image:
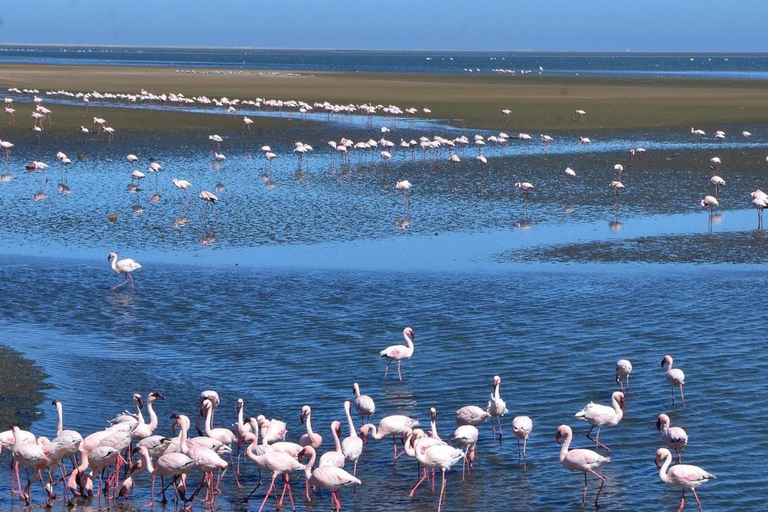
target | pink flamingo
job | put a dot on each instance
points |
(497, 407)
(327, 477)
(674, 437)
(224, 435)
(393, 425)
(580, 459)
(176, 465)
(364, 404)
(276, 463)
(126, 266)
(399, 352)
(336, 457)
(310, 438)
(623, 369)
(352, 446)
(600, 415)
(684, 476)
(522, 426)
(466, 436)
(675, 377)
(435, 456)
(471, 415)
(206, 460)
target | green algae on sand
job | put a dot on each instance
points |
(21, 385)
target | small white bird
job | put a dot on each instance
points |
(126, 266)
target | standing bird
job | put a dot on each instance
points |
(684, 476)
(579, 115)
(277, 463)
(497, 407)
(710, 202)
(7, 147)
(580, 459)
(248, 122)
(675, 377)
(760, 203)
(399, 352)
(674, 437)
(405, 186)
(126, 266)
(352, 446)
(217, 140)
(698, 133)
(466, 436)
(393, 425)
(364, 404)
(522, 426)
(336, 457)
(182, 185)
(623, 369)
(310, 438)
(471, 415)
(327, 477)
(717, 182)
(434, 456)
(599, 415)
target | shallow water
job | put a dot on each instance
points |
(284, 295)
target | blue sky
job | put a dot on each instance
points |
(585, 25)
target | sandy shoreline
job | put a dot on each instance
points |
(538, 103)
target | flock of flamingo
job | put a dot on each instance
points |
(117, 455)
(344, 147)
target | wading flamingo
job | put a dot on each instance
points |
(399, 352)
(684, 476)
(327, 477)
(364, 404)
(126, 266)
(623, 369)
(600, 415)
(497, 407)
(580, 459)
(674, 437)
(522, 426)
(675, 377)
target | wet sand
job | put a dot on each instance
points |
(538, 103)
(21, 382)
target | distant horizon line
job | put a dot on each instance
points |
(341, 49)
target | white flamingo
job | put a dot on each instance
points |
(675, 377)
(399, 352)
(623, 369)
(601, 415)
(684, 476)
(125, 266)
(580, 459)
(674, 437)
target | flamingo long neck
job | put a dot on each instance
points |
(566, 445)
(311, 464)
(496, 391)
(410, 450)
(209, 420)
(147, 461)
(350, 423)
(309, 424)
(114, 265)
(335, 435)
(617, 408)
(60, 426)
(183, 437)
(663, 469)
(408, 342)
(152, 416)
(250, 451)
(240, 423)
(372, 430)
(356, 390)
(433, 425)
(139, 415)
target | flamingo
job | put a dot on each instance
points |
(132, 158)
(433, 456)
(405, 186)
(364, 404)
(579, 115)
(176, 465)
(209, 198)
(327, 477)
(522, 426)
(675, 377)
(182, 185)
(497, 407)
(720, 136)
(466, 436)
(684, 476)
(217, 140)
(29, 455)
(623, 369)
(393, 425)
(699, 133)
(600, 415)
(11, 114)
(746, 134)
(399, 352)
(717, 182)
(110, 133)
(248, 122)
(710, 202)
(714, 163)
(580, 459)
(617, 187)
(224, 435)
(570, 172)
(126, 266)
(351, 446)
(759, 202)
(310, 438)
(506, 112)
(525, 187)
(674, 437)
(99, 460)
(219, 157)
(584, 140)
(336, 457)
(277, 464)
(471, 415)
(85, 131)
(205, 459)
(7, 147)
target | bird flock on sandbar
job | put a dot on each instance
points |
(107, 464)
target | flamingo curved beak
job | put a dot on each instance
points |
(559, 437)
(658, 425)
(658, 462)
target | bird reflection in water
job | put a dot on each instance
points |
(155, 198)
(40, 196)
(4, 178)
(525, 223)
(403, 223)
(207, 240)
(220, 187)
(137, 209)
(181, 222)
(615, 226)
(63, 189)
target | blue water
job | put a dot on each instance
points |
(748, 66)
(284, 292)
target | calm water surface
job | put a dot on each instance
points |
(284, 293)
